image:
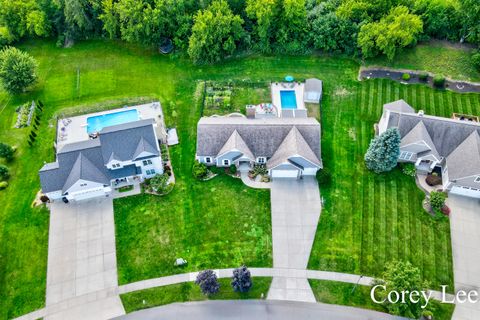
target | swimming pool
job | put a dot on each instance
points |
(97, 123)
(288, 99)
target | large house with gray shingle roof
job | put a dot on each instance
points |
(289, 147)
(451, 145)
(121, 155)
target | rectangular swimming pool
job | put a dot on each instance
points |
(97, 123)
(288, 99)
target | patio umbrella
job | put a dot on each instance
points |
(289, 78)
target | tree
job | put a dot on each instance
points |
(400, 276)
(397, 30)
(441, 19)
(470, 12)
(199, 170)
(4, 173)
(207, 280)
(215, 33)
(263, 12)
(241, 279)
(17, 70)
(159, 183)
(291, 34)
(437, 200)
(6, 151)
(109, 17)
(383, 152)
(476, 60)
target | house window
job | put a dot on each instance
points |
(150, 172)
(83, 185)
(116, 165)
(208, 159)
(226, 162)
(261, 160)
(405, 155)
(477, 179)
(147, 162)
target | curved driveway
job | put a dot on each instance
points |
(255, 309)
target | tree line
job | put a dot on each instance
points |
(212, 29)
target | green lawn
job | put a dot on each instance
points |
(197, 219)
(439, 57)
(189, 291)
(348, 294)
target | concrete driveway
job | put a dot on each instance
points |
(465, 234)
(296, 209)
(82, 259)
(255, 309)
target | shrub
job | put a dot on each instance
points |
(437, 200)
(159, 183)
(324, 177)
(439, 81)
(233, 169)
(445, 210)
(4, 173)
(405, 77)
(423, 76)
(6, 151)
(433, 180)
(44, 198)
(409, 169)
(476, 60)
(383, 152)
(3, 185)
(259, 169)
(199, 170)
(207, 280)
(241, 279)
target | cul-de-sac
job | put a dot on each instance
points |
(239, 159)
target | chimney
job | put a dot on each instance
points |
(251, 110)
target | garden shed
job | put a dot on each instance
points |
(313, 90)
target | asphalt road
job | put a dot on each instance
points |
(254, 309)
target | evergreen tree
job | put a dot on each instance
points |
(383, 152)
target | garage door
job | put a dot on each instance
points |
(468, 192)
(285, 174)
(93, 193)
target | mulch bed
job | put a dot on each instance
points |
(396, 75)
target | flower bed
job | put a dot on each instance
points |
(25, 115)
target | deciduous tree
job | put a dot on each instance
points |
(17, 70)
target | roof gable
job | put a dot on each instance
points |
(464, 161)
(235, 142)
(84, 169)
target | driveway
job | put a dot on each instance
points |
(465, 234)
(295, 212)
(255, 309)
(82, 259)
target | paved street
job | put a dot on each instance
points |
(465, 233)
(295, 212)
(255, 309)
(82, 258)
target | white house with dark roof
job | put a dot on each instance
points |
(121, 155)
(430, 142)
(289, 147)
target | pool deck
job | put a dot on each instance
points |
(75, 128)
(276, 87)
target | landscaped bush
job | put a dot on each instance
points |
(437, 200)
(423, 76)
(207, 280)
(324, 177)
(4, 173)
(160, 184)
(199, 170)
(241, 279)
(445, 210)
(44, 198)
(6, 151)
(233, 169)
(439, 81)
(3, 185)
(405, 77)
(258, 169)
(433, 180)
(409, 169)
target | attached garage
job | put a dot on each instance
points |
(89, 194)
(467, 192)
(276, 173)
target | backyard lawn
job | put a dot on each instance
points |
(368, 219)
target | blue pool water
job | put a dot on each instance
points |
(97, 123)
(288, 99)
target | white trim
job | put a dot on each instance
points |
(477, 179)
(299, 156)
(261, 160)
(227, 163)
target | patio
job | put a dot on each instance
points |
(277, 87)
(74, 129)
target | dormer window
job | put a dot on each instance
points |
(261, 160)
(405, 155)
(477, 179)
